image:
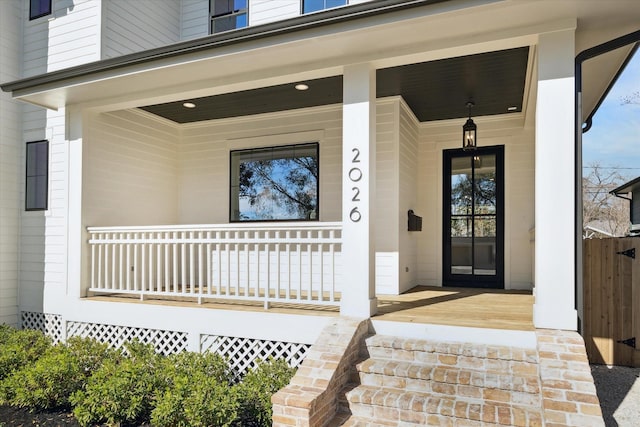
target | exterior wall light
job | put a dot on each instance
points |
(469, 131)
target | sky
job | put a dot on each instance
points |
(614, 139)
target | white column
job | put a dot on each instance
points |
(358, 190)
(76, 235)
(555, 256)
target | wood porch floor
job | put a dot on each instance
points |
(481, 308)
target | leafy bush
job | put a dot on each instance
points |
(62, 370)
(121, 390)
(20, 348)
(209, 364)
(197, 392)
(196, 400)
(256, 389)
(105, 385)
(90, 353)
(5, 332)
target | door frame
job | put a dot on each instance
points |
(463, 280)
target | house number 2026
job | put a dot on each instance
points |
(355, 175)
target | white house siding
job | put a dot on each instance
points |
(133, 26)
(387, 196)
(10, 133)
(519, 210)
(32, 224)
(130, 170)
(264, 11)
(69, 36)
(519, 199)
(204, 158)
(194, 19)
(408, 176)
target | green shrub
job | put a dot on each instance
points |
(209, 364)
(20, 348)
(90, 353)
(5, 332)
(197, 392)
(196, 400)
(121, 390)
(256, 389)
(62, 370)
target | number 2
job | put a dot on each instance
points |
(356, 155)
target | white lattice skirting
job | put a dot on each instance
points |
(49, 324)
(244, 353)
(165, 342)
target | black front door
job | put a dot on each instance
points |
(473, 227)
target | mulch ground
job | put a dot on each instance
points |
(17, 417)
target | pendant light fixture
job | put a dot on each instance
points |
(469, 132)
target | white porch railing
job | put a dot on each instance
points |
(281, 262)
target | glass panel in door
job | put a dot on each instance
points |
(473, 218)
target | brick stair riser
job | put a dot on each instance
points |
(416, 373)
(419, 407)
(438, 381)
(497, 366)
(445, 389)
(389, 345)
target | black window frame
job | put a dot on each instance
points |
(28, 189)
(226, 14)
(304, 12)
(40, 12)
(315, 144)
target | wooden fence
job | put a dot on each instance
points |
(611, 321)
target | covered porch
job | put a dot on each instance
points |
(381, 135)
(142, 199)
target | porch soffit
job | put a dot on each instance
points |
(434, 90)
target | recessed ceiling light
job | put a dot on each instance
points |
(512, 108)
(189, 105)
(301, 86)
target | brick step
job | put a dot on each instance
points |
(389, 347)
(417, 376)
(392, 405)
(349, 420)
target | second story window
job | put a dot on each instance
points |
(39, 8)
(309, 6)
(228, 15)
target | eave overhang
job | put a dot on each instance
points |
(383, 32)
(101, 69)
(627, 187)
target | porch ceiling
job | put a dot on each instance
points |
(435, 90)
